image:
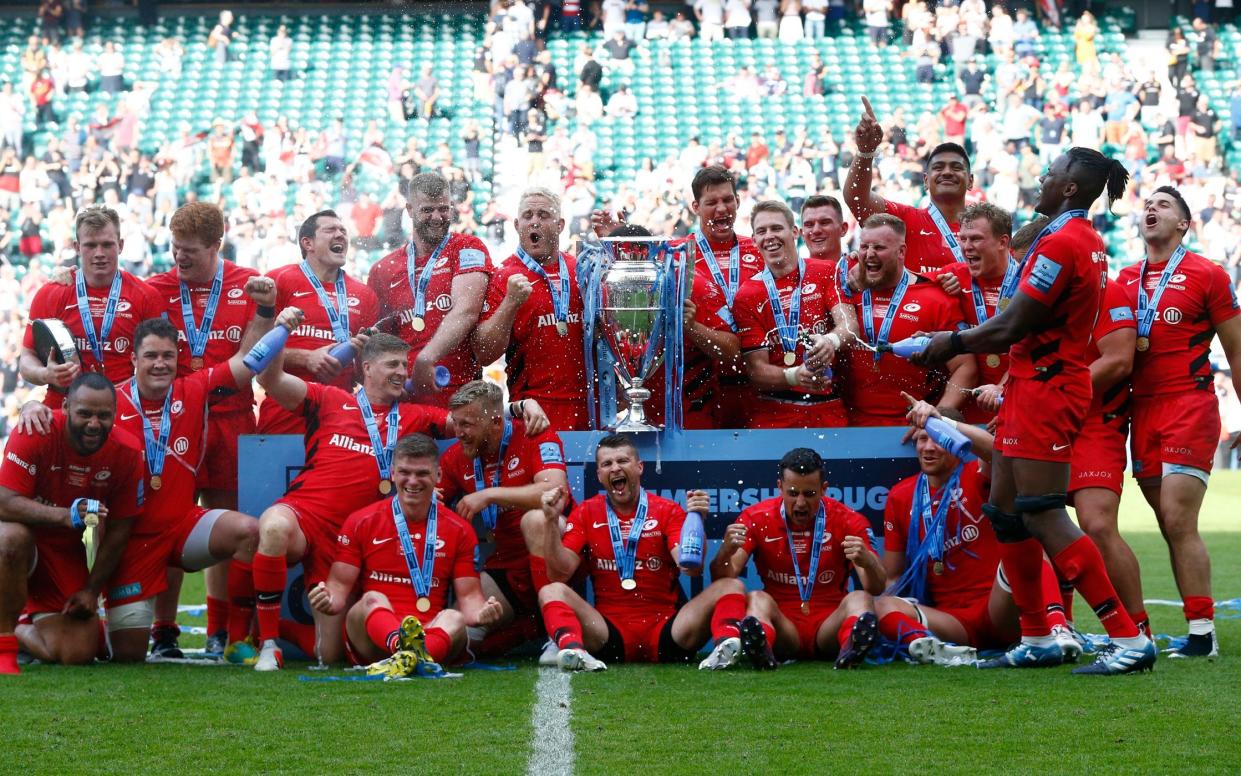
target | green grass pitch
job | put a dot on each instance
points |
(632, 719)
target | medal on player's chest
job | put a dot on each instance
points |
(938, 568)
(805, 607)
(629, 584)
(790, 359)
(419, 323)
(423, 604)
(157, 482)
(562, 328)
(196, 363)
(1003, 304)
(993, 360)
(1144, 344)
(385, 486)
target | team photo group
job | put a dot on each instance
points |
(1028, 381)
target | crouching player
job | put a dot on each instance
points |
(631, 541)
(804, 545)
(403, 552)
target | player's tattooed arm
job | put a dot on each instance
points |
(869, 568)
(16, 508)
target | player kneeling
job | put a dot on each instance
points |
(630, 539)
(804, 545)
(405, 550)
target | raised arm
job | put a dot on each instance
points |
(867, 136)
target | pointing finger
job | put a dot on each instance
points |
(870, 112)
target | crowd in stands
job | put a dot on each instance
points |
(1012, 113)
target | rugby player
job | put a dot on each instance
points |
(895, 304)
(403, 605)
(337, 309)
(931, 230)
(629, 540)
(533, 316)
(48, 488)
(1181, 300)
(432, 290)
(792, 324)
(99, 303)
(1046, 400)
(805, 545)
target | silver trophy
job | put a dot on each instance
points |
(635, 293)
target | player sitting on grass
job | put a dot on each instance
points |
(403, 552)
(805, 545)
(949, 595)
(630, 540)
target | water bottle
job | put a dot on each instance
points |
(950, 439)
(693, 538)
(909, 347)
(442, 378)
(261, 355)
(343, 352)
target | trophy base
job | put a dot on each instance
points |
(626, 422)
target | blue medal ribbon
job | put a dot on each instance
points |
(868, 314)
(787, 328)
(805, 585)
(382, 452)
(418, 281)
(626, 553)
(420, 576)
(197, 335)
(1012, 276)
(941, 224)
(560, 295)
(156, 449)
(338, 315)
(730, 286)
(925, 540)
(1149, 308)
(491, 513)
(842, 277)
(109, 313)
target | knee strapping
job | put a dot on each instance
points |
(1008, 526)
(1032, 505)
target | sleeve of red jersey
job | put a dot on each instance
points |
(751, 328)
(153, 303)
(574, 538)
(1048, 272)
(451, 484)
(368, 308)
(1116, 313)
(126, 497)
(1221, 297)
(674, 522)
(950, 316)
(472, 257)
(432, 421)
(39, 308)
(895, 520)
(218, 382)
(19, 469)
(348, 547)
(900, 210)
(497, 287)
(314, 399)
(463, 560)
(551, 451)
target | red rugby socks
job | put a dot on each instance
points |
(562, 625)
(8, 654)
(383, 628)
(240, 600)
(1081, 564)
(901, 628)
(269, 577)
(438, 644)
(729, 611)
(1023, 566)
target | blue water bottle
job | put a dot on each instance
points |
(910, 346)
(343, 352)
(442, 378)
(261, 355)
(693, 538)
(950, 439)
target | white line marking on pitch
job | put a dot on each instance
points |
(552, 752)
